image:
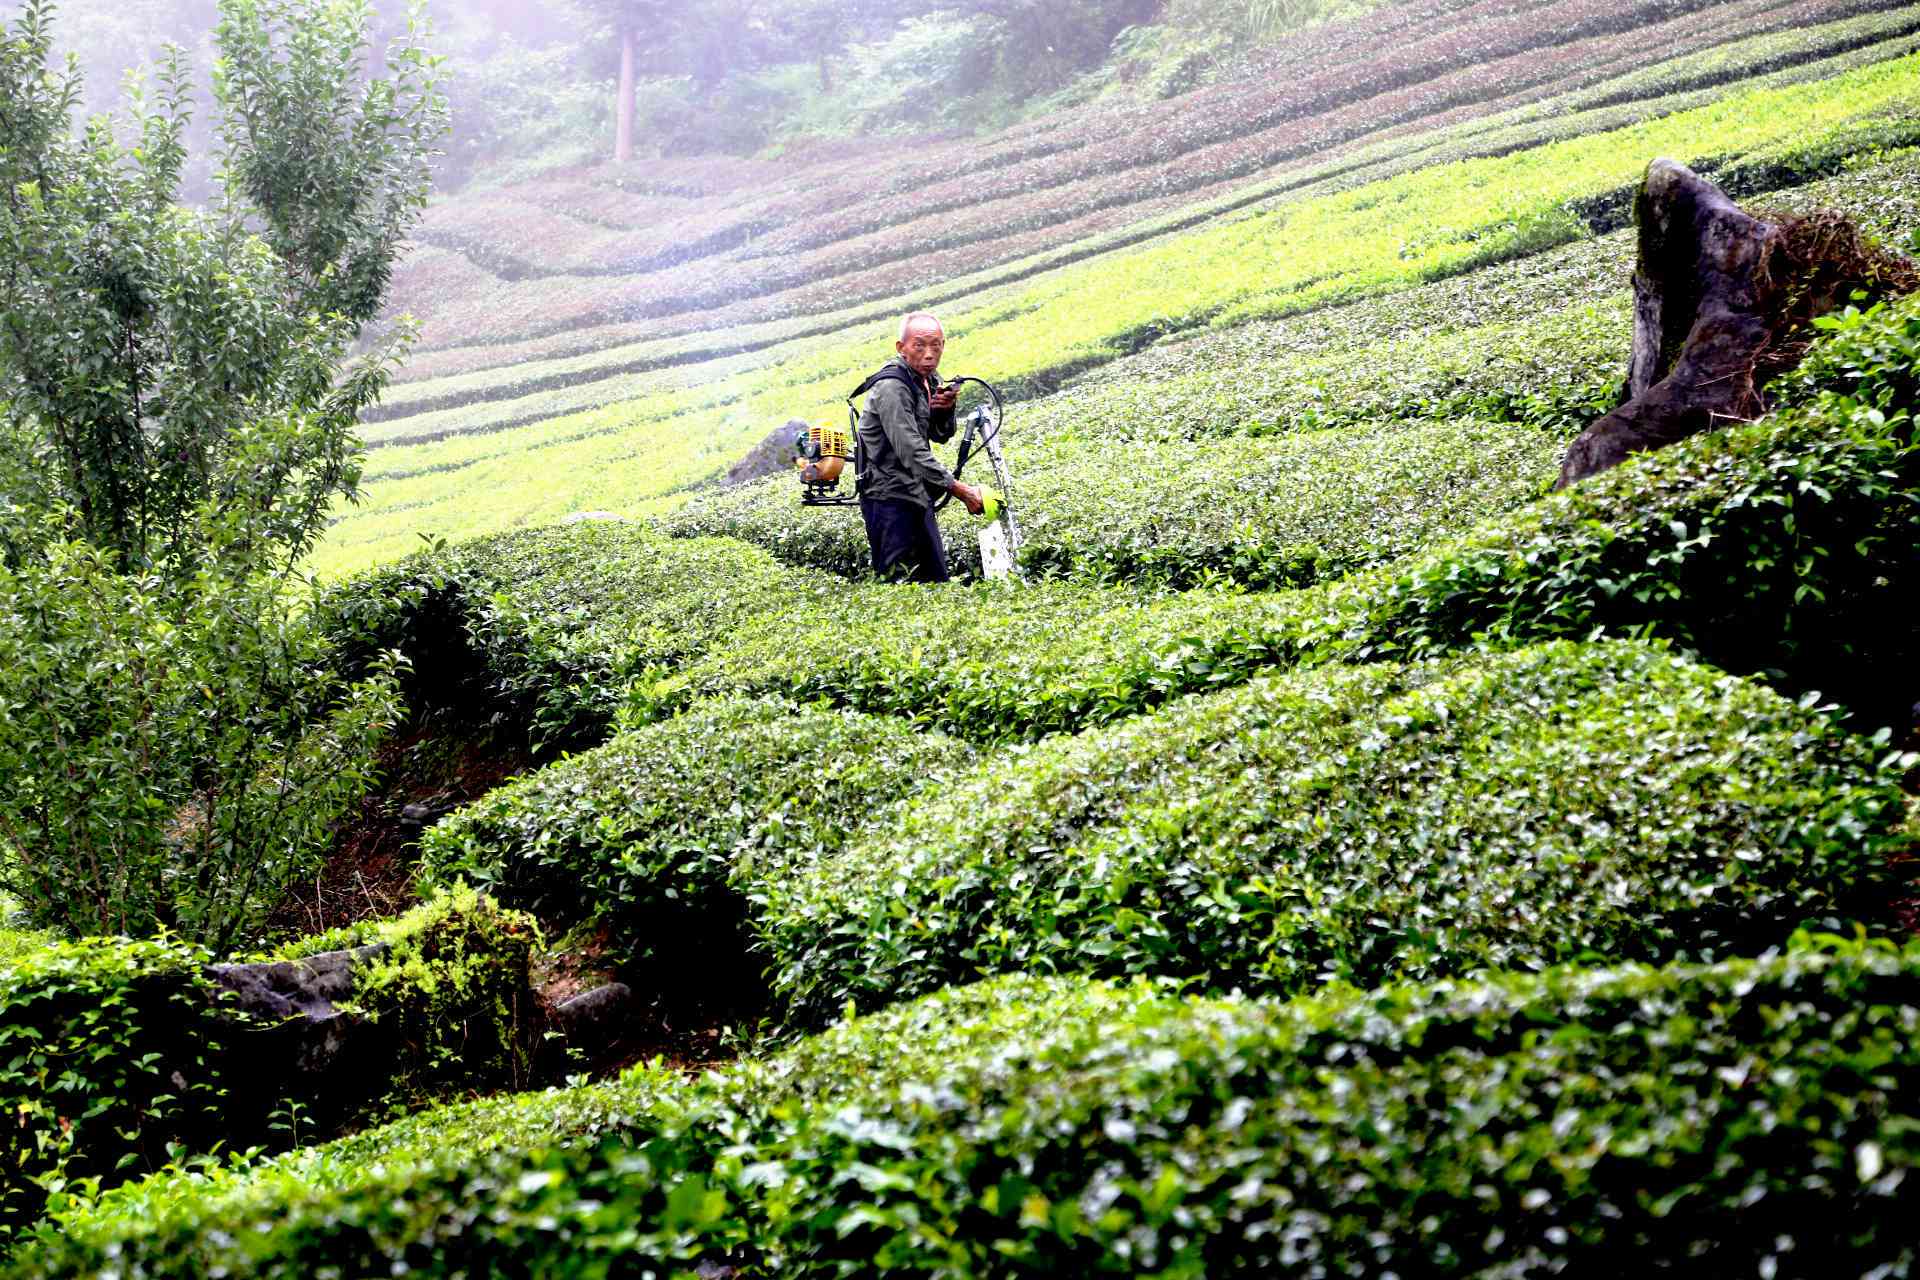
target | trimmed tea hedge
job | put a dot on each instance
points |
(659, 832)
(1263, 513)
(1752, 1117)
(118, 1056)
(1764, 548)
(547, 626)
(1360, 823)
(1761, 547)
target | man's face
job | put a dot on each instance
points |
(922, 347)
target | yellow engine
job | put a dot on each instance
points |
(823, 452)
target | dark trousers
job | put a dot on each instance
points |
(905, 540)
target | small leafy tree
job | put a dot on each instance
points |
(167, 364)
(179, 398)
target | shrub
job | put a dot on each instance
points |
(1263, 513)
(117, 1056)
(109, 1057)
(1752, 1113)
(176, 754)
(1760, 547)
(549, 626)
(1360, 823)
(662, 831)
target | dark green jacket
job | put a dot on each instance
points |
(897, 430)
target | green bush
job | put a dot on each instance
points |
(1761, 547)
(1750, 1117)
(663, 832)
(176, 753)
(1263, 513)
(547, 627)
(1361, 823)
(117, 1057)
(109, 1059)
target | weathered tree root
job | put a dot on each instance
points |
(1723, 303)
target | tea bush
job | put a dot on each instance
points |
(1263, 513)
(1579, 1122)
(118, 1056)
(1761, 547)
(660, 832)
(548, 626)
(1360, 823)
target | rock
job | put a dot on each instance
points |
(302, 997)
(773, 456)
(416, 818)
(1723, 302)
(591, 1020)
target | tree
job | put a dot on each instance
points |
(169, 370)
(179, 401)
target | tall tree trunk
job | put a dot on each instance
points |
(623, 109)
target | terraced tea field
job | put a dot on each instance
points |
(1338, 855)
(546, 387)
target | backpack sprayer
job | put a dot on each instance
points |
(824, 450)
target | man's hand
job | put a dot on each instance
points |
(969, 497)
(942, 401)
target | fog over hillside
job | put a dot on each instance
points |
(538, 84)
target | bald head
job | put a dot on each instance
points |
(922, 342)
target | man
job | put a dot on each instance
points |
(900, 479)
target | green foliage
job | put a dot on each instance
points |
(1361, 823)
(1576, 1121)
(449, 996)
(1871, 358)
(180, 399)
(553, 626)
(333, 163)
(109, 1063)
(667, 833)
(176, 752)
(1760, 547)
(178, 387)
(1152, 513)
(119, 1057)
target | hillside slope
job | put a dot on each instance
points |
(541, 388)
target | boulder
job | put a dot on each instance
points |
(301, 999)
(590, 1021)
(773, 456)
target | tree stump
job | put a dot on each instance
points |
(1723, 303)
